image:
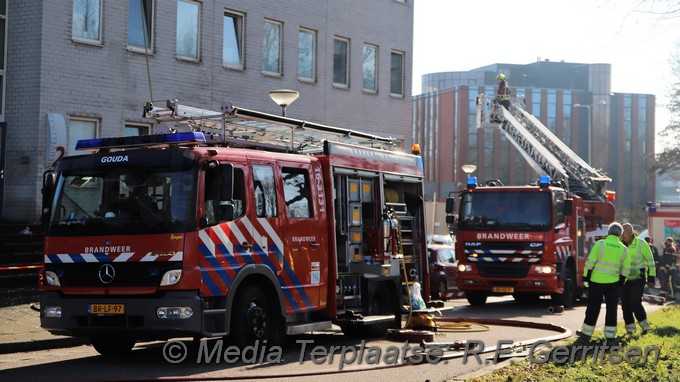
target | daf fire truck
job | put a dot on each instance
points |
(531, 240)
(236, 224)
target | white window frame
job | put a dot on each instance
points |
(376, 73)
(347, 42)
(179, 56)
(149, 37)
(401, 74)
(278, 73)
(143, 128)
(311, 78)
(81, 39)
(240, 21)
(71, 143)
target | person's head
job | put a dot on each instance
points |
(615, 229)
(501, 77)
(669, 241)
(628, 233)
(649, 240)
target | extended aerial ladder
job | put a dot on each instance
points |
(544, 151)
(238, 127)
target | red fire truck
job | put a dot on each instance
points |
(531, 240)
(235, 224)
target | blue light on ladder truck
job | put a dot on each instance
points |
(141, 140)
(472, 182)
(544, 181)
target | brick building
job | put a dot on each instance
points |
(78, 69)
(612, 131)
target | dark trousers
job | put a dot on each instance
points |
(631, 301)
(666, 274)
(610, 293)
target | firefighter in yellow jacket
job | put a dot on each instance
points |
(642, 272)
(607, 267)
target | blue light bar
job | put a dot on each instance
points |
(472, 182)
(544, 181)
(140, 140)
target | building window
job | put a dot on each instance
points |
(271, 48)
(133, 129)
(87, 21)
(3, 56)
(370, 68)
(80, 128)
(341, 61)
(306, 55)
(232, 41)
(140, 24)
(188, 29)
(397, 73)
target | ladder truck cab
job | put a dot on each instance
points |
(531, 240)
(234, 223)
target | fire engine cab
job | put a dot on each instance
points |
(529, 240)
(235, 224)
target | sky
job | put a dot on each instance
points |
(631, 35)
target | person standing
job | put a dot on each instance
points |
(655, 254)
(642, 272)
(668, 271)
(606, 268)
(503, 92)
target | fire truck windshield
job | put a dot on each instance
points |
(111, 200)
(506, 210)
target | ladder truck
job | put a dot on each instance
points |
(531, 240)
(231, 223)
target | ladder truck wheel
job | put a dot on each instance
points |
(567, 297)
(113, 346)
(476, 298)
(255, 318)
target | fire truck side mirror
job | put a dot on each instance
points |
(450, 219)
(49, 183)
(568, 207)
(227, 182)
(450, 205)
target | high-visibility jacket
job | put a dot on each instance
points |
(608, 259)
(503, 92)
(640, 258)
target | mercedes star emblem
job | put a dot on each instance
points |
(107, 273)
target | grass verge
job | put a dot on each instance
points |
(654, 356)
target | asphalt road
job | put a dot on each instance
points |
(155, 361)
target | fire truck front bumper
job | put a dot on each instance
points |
(176, 314)
(530, 284)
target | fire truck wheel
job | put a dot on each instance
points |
(476, 298)
(113, 347)
(568, 297)
(441, 293)
(254, 318)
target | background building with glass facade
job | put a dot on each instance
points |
(612, 131)
(83, 69)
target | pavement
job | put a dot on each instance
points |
(20, 331)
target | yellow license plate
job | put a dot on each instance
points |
(106, 309)
(503, 289)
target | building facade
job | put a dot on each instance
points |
(612, 131)
(83, 68)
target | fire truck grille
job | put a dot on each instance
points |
(503, 270)
(138, 274)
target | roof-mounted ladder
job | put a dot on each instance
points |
(238, 127)
(546, 153)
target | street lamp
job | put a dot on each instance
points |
(283, 98)
(590, 132)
